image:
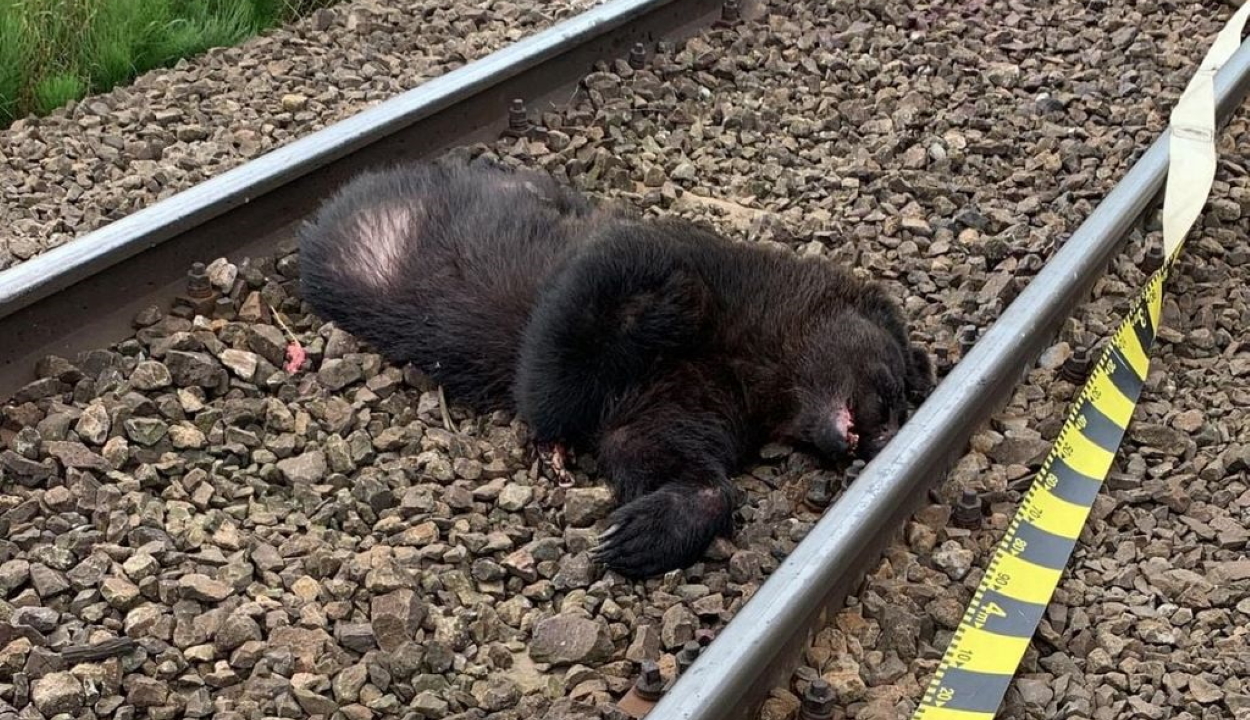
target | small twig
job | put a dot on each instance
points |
(281, 323)
(295, 355)
(100, 651)
(572, 96)
(1022, 483)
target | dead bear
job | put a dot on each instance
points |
(667, 350)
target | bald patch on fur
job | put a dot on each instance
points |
(381, 243)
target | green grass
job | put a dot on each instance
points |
(54, 91)
(55, 51)
(12, 53)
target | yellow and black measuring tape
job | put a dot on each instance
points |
(1025, 569)
(1022, 575)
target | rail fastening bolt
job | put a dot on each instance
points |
(518, 121)
(1153, 259)
(818, 701)
(730, 11)
(687, 655)
(967, 512)
(198, 286)
(855, 469)
(650, 683)
(818, 495)
(638, 56)
(1076, 367)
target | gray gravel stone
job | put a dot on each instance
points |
(242, 363)
(514, 497)
(94, 424)
(119, 592)
(56, 693)
(496, 694)
(645, 645)
(268, 342)
(583, 506)
(235, 631)
(568, 640)
(953, 559)
(192, 368)
(42, 619)
(222, 274)
(77, 455)
(145, 692)
(678, 627)
(203, 588)
(47, 582)
(356, 636)
(306, 469)
(150, 375)
(429, 704)
(396, 617)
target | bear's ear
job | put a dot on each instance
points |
(920, 380)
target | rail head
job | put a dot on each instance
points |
(761, 645)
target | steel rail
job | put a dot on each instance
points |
(760, 647)
(105, 276)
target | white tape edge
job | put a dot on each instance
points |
(1191, 145)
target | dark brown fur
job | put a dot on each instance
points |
(667, 350)
(440, 265)
(674, 354)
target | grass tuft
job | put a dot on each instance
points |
(13, 54)
(56, 90)
(119, 37)
(55, 51)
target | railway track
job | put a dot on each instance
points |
(252, 208)
(118, 272)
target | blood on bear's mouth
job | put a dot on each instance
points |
(844, 421)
